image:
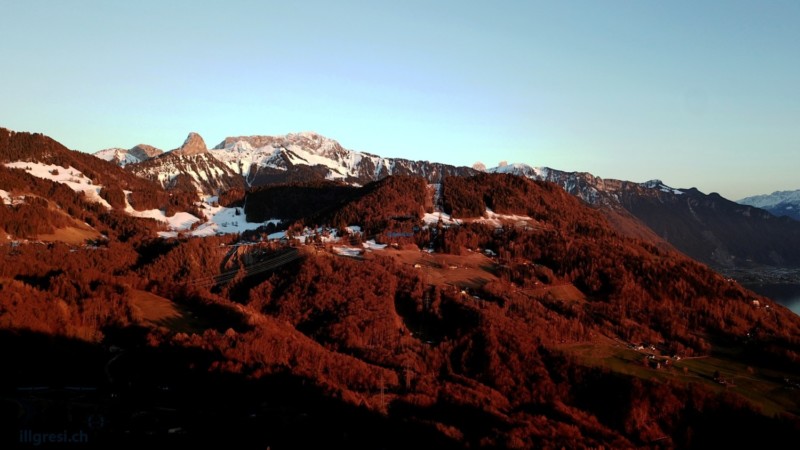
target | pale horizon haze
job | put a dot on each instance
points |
(699, 94)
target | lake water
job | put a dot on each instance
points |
(787, 295)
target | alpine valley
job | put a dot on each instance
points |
(286, 292)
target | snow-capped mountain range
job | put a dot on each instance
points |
(591, 189)
(297, 157)
(269, 159)
(263, 160)
(779, 203)
(123, 157)
(190, 167)
(259, 160)
(707, 227)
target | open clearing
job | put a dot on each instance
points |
(70, 235)
(158, 311)
(762, 387)
(471, 270)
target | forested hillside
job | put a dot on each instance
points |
(515, 318)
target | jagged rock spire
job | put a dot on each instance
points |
(193, 145)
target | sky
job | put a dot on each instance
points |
(699, 94)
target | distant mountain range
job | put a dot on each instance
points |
(709, 228)
(779, 203)
(268, 160)
(123, 157)
(264, 160)
(191, 167)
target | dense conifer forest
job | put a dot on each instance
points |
(542, 329)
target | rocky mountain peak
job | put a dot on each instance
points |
(193, 145)
(144, 151)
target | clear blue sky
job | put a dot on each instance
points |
(700, 94)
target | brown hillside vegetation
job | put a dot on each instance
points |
(545, 345)
(499, 347)
(35, 147)
(48, 210)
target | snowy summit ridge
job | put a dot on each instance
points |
(123, 157)
(779, 203)
(190, 166)
(307, 155)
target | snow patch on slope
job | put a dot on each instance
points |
(241, 156)
(180, 221)
(5, 197)
(300, 156)
(200, 167)
(69, 176)
(435, 217)
(119, 156)
(222, 220)
(659, 185)
(372, 245)
(218, 219)
(348, 251)
(497, 220)
(538, 173)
